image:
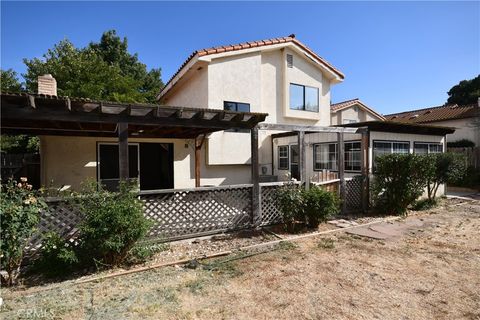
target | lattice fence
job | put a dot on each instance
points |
(181, 213)
(60, 217)
(353, 193)
(270, 212)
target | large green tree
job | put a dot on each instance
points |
(465, 92)
(103, 70)
(9, 81)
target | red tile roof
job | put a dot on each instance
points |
(435, 114)
(261, 43)
(348, 103)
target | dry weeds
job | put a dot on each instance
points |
(431, 273)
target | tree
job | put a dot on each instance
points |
(9, 81)
(442, 168)
(465, 92)
(101, 71)
(19, 143)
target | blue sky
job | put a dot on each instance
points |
(395, 56)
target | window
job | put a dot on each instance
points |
(289, 61)
(236, 106)
(389, 147)
(353, 156)
(426, 148)
(325, 156)
(283, 157)
(303, 98)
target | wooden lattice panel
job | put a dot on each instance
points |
(181, 213)
(270, 212)
(353, 193)
(59, 217)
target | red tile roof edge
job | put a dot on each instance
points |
(435, 114)
(253, 44)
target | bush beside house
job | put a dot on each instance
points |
(311, 206)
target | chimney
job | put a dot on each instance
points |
(47, 85)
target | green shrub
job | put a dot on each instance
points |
(313, 206)
(424, 204)
(113, 223)
(58, 257)
(399, 180)
(290, 201)
(471, 179)
(19, 216)
(319, 205)
(442, 168)
(141, 253)
(463, 143)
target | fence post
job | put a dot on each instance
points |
(341, 169)
(365, 142)
(123, 151)
(256, 200)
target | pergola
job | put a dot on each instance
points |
(38, 114)
(52, 115)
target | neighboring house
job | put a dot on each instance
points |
(280, 77)
(465, 119)
(352, 111)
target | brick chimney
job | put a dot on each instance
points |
(47, 85)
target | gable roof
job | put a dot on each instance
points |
(334, 107)
(434, 114)
(249, 45)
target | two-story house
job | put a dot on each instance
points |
(281, 77)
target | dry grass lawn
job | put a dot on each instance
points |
(432, 272)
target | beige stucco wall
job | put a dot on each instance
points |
(262, 80)
(191, 91)
(72, 160)
(464, 129)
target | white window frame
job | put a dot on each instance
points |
(351, 152)
(429, 145)
(287, 157)
(392, 142)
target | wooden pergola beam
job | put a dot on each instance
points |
(123, 151)
(297, 128)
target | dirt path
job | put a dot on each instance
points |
(431, 271)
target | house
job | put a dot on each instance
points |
(200, 135)
(287, 80)
(465, 119)
(352, 111)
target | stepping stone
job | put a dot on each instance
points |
(367, 232)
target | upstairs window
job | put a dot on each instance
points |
(427, 148)
(303, 98)
(239, 107)
(236, 106)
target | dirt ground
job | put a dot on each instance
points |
(431, 271)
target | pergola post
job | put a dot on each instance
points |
(198, 148)
(302, 160)
(256, 195)
(341, 168)
(123, 151)
(365, 142)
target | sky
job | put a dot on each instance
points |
(395, 55)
